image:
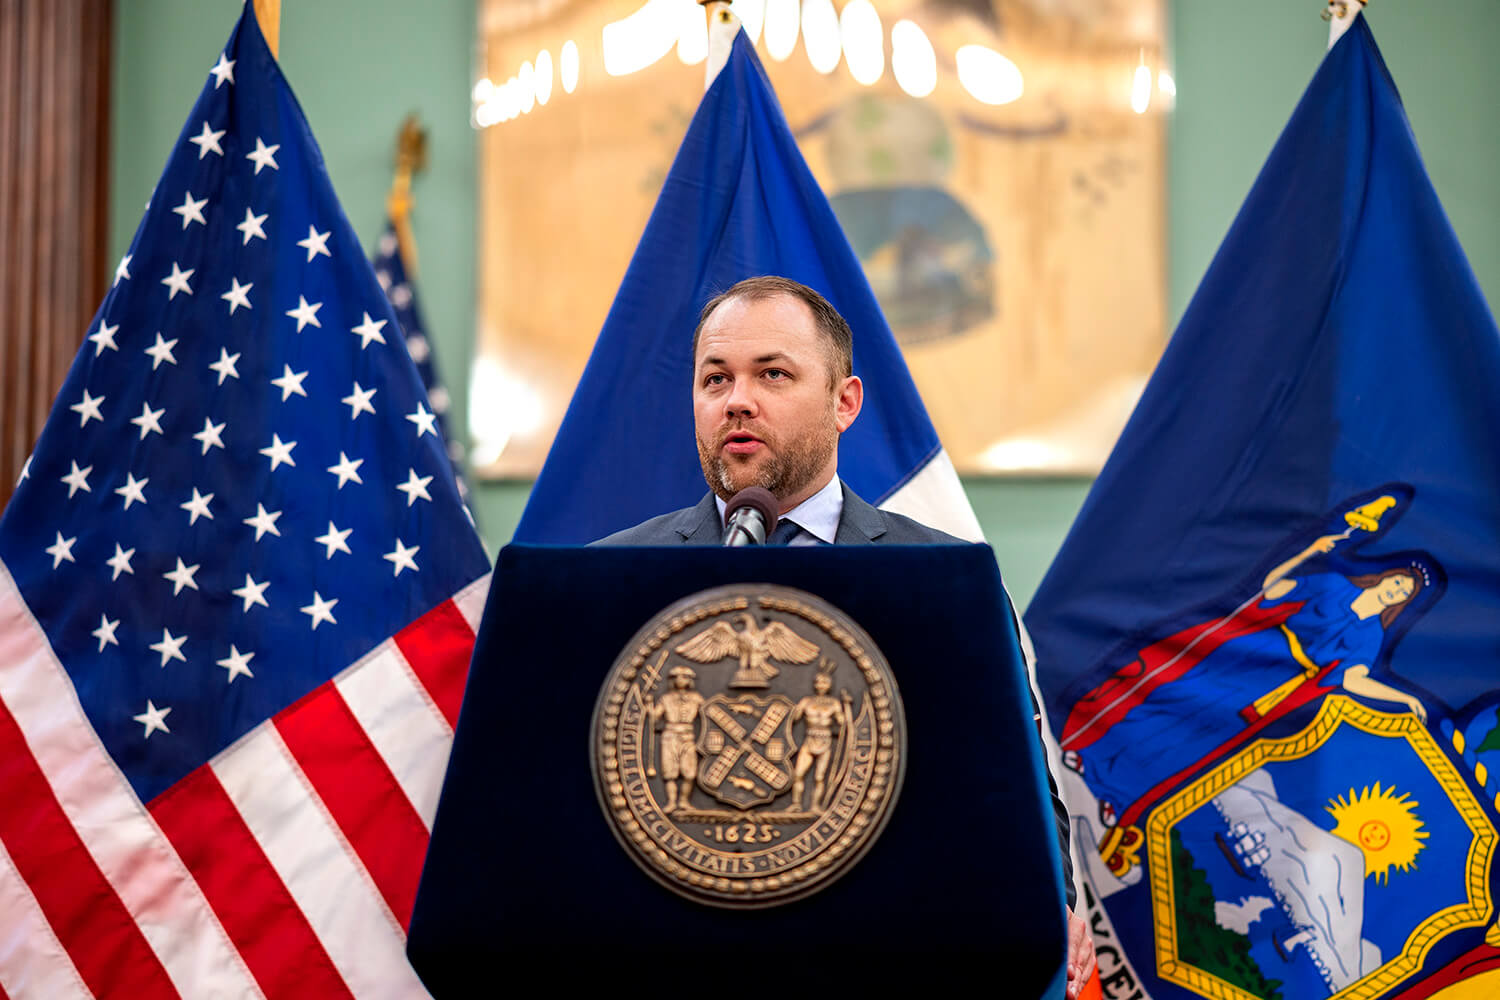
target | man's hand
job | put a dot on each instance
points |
(1080, 954)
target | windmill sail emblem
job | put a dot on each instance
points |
(753, 645)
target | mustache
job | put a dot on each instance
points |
(728, 430)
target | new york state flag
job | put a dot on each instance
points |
(1270, 645)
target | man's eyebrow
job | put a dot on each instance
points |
(713, 359)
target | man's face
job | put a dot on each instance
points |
(763, 407)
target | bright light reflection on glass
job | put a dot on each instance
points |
(820, 34)
(526, 84)
(510, 98)
(1166, 84)
(483, 89)
(1140, 90)
(913, 62)
(988, 76)
(543, 76)
(568, 66)
(692, 35)
(501, 406)
(752, 14)
(781, 28)
(487, 114)
(635, 42)
(864, 41)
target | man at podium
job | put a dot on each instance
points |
(773, 389)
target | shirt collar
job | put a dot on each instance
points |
(818, 515)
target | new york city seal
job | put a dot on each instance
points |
(749, 745)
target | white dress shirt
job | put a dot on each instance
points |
(817, 516)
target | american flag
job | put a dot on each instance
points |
(390, 271)
(238, 592)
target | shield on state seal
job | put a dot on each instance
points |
(746, 743)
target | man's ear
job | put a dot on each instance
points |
(847, 402)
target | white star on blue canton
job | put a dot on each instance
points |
(359, 401)
(105, 633)
(153, 718)
(88, 408)
(162, 351)
(236, 296)
(415, 487)
(290, 383)
(401, 558)
(120, 561)
(252, 593)
(334, 540)
(225, 365)
(170, 646)
(263, 155)
(305, 314)
(426, 422)
(221, 71)
(182, 576)
(104, 337)
(78, 479)
(251, 227)
(207, 141)
(237, 663)
(320, 610)
(131, 491)
(264, 521)
(61, 550)
(316, 243)
(191, 210)
(177, 281)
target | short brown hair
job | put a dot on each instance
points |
(829, 322)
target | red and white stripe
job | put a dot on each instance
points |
(286, 866)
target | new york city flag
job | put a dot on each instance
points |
(739, 201)
(1270, 646)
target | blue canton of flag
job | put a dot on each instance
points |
(390, 271)
(1269, 644)
(739, 201)
(237, 597)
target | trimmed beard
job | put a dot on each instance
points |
(790, 467)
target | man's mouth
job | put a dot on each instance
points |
(741, 443)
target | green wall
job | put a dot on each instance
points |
(359, 67)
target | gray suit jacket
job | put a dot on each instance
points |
(859, 524)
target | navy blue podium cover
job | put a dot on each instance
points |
(523, 871)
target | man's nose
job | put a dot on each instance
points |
(741, 401)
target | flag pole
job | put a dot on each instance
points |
(411, 158)
(268, 13)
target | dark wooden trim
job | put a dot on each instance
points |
(55, 60)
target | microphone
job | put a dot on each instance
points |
(749, 516)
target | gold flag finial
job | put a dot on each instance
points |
(1339, 9)
(411, 158)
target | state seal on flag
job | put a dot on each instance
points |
(748, 745)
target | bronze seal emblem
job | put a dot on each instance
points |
(749, 745)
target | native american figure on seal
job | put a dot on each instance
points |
(824, 714)
(679, 755)
(754, 646)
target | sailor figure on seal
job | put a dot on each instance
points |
(679, 756)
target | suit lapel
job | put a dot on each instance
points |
(700, 525)
(859, 523)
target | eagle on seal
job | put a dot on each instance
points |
(753, 645)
